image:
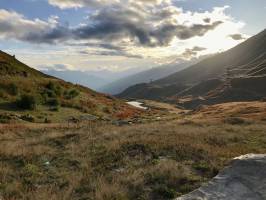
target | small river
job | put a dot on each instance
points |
(137, 104)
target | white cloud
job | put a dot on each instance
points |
(66, 4)
(15, 25)
(116, 30)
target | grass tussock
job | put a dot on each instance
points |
(102, 162)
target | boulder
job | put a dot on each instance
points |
(244, 179)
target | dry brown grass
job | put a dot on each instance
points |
(255, 110)
(160, 160)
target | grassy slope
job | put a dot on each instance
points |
(29, 81)
(151, 161)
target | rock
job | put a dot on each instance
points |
(120, 123)
(244, 179)
(28, 118)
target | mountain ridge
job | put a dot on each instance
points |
(242, 63)
(146, 76)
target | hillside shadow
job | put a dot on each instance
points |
(7, 106)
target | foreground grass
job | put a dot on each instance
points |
(102, 162)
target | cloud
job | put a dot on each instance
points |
(16, 26)
(191, 53)
(207, 20)
(237, 37)
(154, 27)
(128, 28)
(57, 67)
(150, 27)
(121, 52)
(66, 4)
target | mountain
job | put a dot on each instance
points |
(238, 74)
(79, 77)
(252, 50)
(27, 94)
(94, 79)
(142, 77)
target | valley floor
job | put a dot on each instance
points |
(158, 160)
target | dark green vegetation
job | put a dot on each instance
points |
(161, 160)
(238, 74)
(25, 91)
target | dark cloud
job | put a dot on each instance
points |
(98, 45)
(110, 53)
(116, 24)
(54, 35)
(237, 37)
(190, 53)
(207, 20)
(196, 48)
(113, 29)
(196, 30)
(152, 27)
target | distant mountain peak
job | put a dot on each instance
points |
(237, 74)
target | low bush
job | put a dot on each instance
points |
(165, 192)
(28, 102)
(55, 88)
(54, 102)
(236, 121)
(47, 121)
(2, 94)
(13, 89)
(71, 94)
(4, 119)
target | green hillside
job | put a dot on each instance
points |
(27, 94)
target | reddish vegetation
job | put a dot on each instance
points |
(128, 112)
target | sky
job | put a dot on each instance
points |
(119, 35)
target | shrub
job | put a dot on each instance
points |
(53, 89)
(203, 167)
(54, 102)
(47, 121)
(165, 192)
(13, 89)
(71, 94)
(50, 93)
(107, 110)
(55, 109)
(27, 102)
(4, 119)
(2, 94)
(236, 121)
